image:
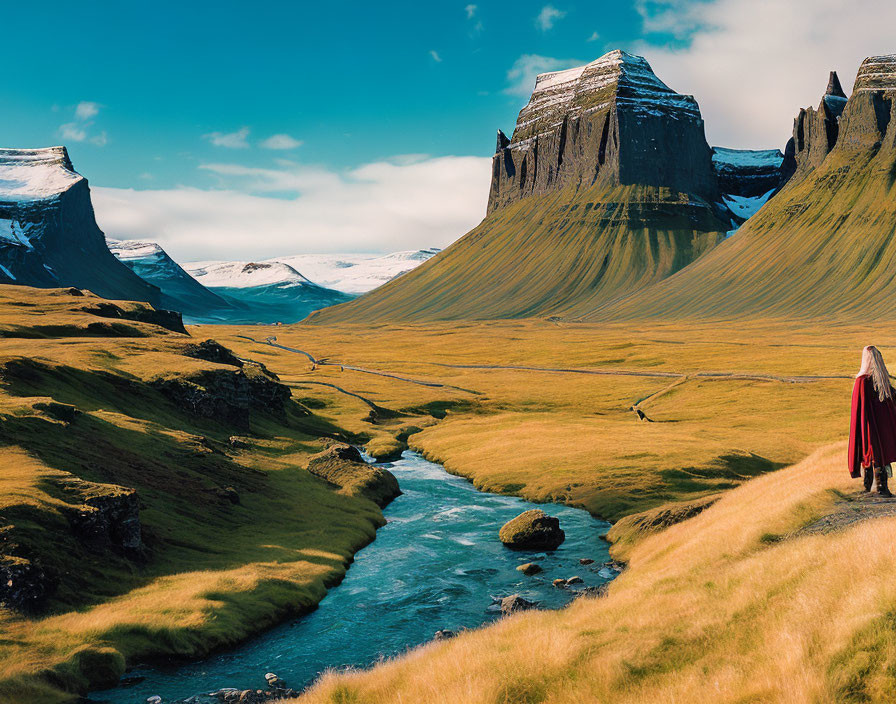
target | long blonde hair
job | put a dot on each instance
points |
(873, 366)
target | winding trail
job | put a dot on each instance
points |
(374, 407)
(272, 341)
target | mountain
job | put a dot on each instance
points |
(606, 186)
(48, 234)
(266, 292)
(179, 290)
(824, 245)
(747, 178)
(356, 273)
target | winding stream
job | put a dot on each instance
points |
(437, 564)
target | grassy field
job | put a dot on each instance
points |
(571, 436)
(727, 403)
(82, 417)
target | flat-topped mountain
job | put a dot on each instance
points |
(606, 186)
(824, 245)
(48, 233)
(611, 122)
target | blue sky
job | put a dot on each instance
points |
(246, 130)
(353, 82)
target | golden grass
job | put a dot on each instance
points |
(708, 611)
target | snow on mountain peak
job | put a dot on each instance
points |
(35, 174)
(133, 249)
(246, 274)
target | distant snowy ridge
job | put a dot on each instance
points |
(218, 274)
(356, 273)
(351, 273)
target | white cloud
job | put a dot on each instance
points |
(521, 76)
(79, 129)
(752, 64)
(73, 132)
(471, 11)
(86, 110)
(281, 141)
(229, 140)
(435, 56)
(385, 206)
(548, 16)
(594, 37)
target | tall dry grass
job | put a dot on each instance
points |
(723, 608)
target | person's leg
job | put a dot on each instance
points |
(880, 473)
(867, 477)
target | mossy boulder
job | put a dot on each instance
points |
(343, 466)
(532, 530)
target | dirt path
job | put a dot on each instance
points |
(272, 341)
(848, 511)
(668, 375)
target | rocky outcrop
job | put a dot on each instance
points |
(343, 466)
(168, 319)
(23, 584)
(815, 132)
(48, 234)
(226, 395)
(611, 122)
(532, 530)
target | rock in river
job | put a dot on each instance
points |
(529, 568)
(532, 530)
(513, 603)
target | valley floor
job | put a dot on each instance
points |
(532, 408)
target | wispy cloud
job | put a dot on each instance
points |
(473, 16)
(80, 129)
(521, 76)
(548, 17)
(435, 56)
(594, 37)
(471, 11)
(402, 203)
(87, 110)
(281, 141)
(229, 140)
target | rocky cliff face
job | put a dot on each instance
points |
(815, 131)
(611, 122)
(867, 123)
(48, 235)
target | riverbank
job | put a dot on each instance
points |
(738, 603)
(436, 566)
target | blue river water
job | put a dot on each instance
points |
(437, 564)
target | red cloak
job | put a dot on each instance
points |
(872, 433)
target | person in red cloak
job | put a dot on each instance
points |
(872, 433)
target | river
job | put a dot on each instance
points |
(437, 564)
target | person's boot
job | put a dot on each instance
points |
(880, 473)
(867, 478)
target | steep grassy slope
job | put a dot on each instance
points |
(565, 252)
(734, 605)
(824, 246)
(139, 470)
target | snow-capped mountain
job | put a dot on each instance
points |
(267, 292)
(48, 233)
(180, 291)
(747, 179)
(356, 273)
